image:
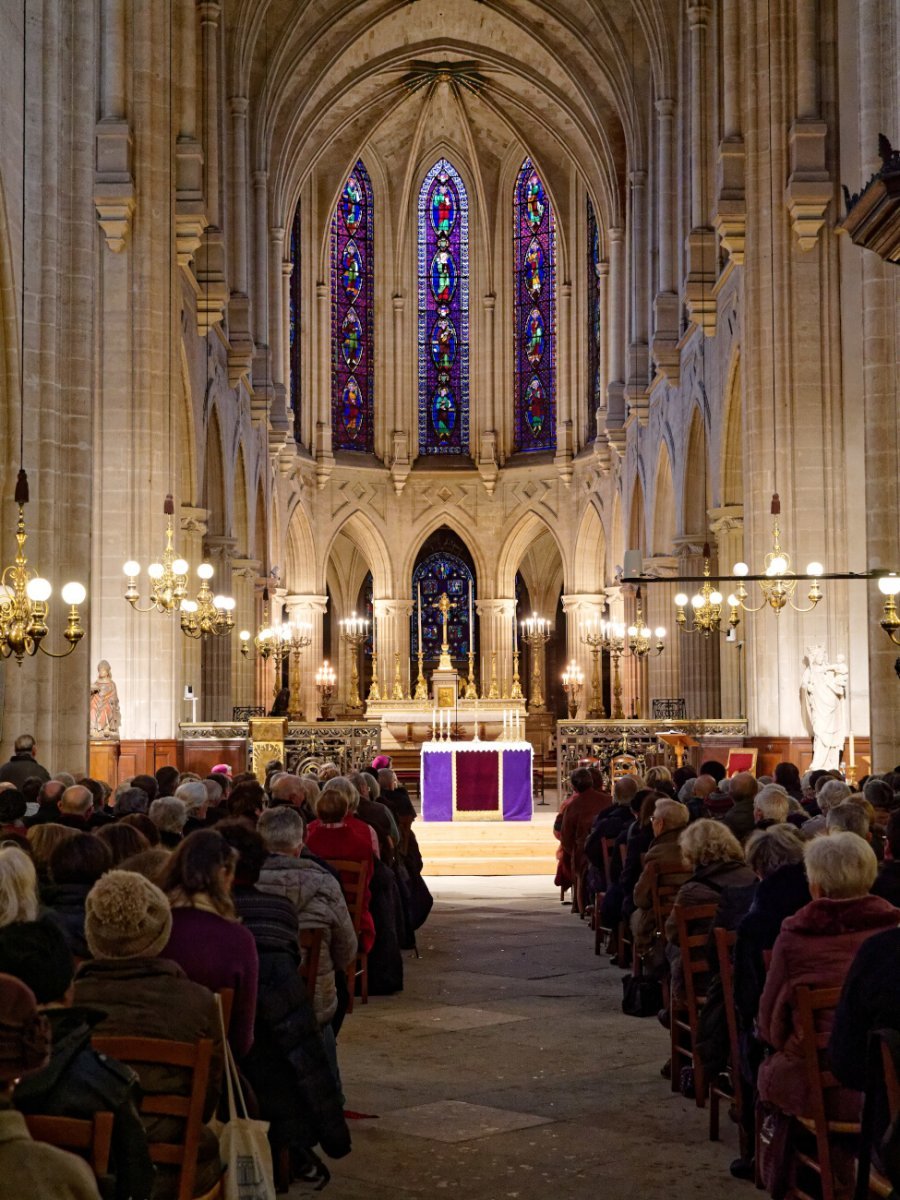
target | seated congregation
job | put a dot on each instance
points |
(151, 936)
(759, 922)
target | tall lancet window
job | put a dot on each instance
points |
(294, 322)
(594, 330)
(534, 254)
(443, 312)
(353, 315)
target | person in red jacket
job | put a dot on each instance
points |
(581, 808)
(335, 834)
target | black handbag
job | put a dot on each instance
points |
(641, 997)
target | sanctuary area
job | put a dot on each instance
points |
(501, 397)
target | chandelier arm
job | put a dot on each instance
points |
(798, 609)
(745, 607)
(52, 654)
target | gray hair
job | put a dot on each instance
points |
(625, 789)
(169, 814)
(832, 793)
(848, 817)
(672, 814)
(130, 800)
(346, 789)
(771, 802)
(387, 779)
(281, 828)
(768, 849)
(193, 796)
(329, 771)
(686, 791)
(843, 865)
(214, 791)
(706, 842)
(374, 785)
(311, 787)
(286, 788)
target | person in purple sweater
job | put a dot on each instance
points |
(207, 941)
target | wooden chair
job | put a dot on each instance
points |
(194, 1057)
(311, 946)
(353, 884)
(812, 1005)
(718, 1091)
(684, 1018)
(90, 1139)
(882, 1080)
(602, 933)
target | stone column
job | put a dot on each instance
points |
(727, 527)
(699, 655)
(210, 259)
(581, 608)
(277, 412)
(667, 305)
(731, 204)
(215, 652)
(287, 270)
(495, 634)
(615, 604)
(393, 634)
(260, 258)
(615, 417)
(701, 242)
(238, 106)
(638, 351)
(308, 610)
(663, 670)
(244, 573)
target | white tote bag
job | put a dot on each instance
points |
(243, 1145)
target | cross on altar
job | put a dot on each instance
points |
(443, 606)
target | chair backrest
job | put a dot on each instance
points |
(311, 947)
(693, 923)
(91, 1139)
(353, 885)
(812, 1005)
(189, 1056)
(664, 887)
(725, 940)
(607, 849)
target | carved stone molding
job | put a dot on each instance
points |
(193, 519)
(809, 188)
(114, 196)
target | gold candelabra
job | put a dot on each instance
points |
(614, 643)
(325, 681)
(706, 605)
(591, 635)
(354, 631)
(640, 635)
(397, 689)
(471, 691)
(573, 680)
(374, 689)
(421, 692)
(536, 633)
(287, 641)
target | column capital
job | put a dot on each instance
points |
(727, 519)
(662, 566)
(577, 602)
(698, 14)
(238, 105)
(276, 234)
(193, 519)
(305, 603)
(613, 594)
(665, 108)
(220, 547)
(638, 178)
(260, 179)
(245, 568)
(392, 608)
(495, 608)
(615, 234)
(690, 545)
(210, 11)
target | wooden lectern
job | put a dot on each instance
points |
(267, 735)
(679, 743)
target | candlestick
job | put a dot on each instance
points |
(515, 632)
(421, 687)
(397, 689)
(494, 693)
(471, 622)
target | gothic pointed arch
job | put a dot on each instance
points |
(664, 511)
(353, 315)
(443, 325)
(534, 313)
(444, 565)
(697, 492)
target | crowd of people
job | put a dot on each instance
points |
(136, 911)
(806, 873)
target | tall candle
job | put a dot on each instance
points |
(374, 633)
(471, 618)
(515, 632)
(852, 750)
(419, 609)
(434, 724)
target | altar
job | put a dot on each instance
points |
(476, 781)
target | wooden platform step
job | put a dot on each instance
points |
(488, 847)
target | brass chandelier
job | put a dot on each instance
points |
(706, 606)
(779, 582)
(641, 636)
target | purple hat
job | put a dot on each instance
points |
(381, 762)
(221, 769)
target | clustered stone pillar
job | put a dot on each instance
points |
(244, 573)
(727, 527)
(663, 670)
(393, 635)
(582, 608)
(215, 651)
(699, 655)
(308, 611)
(495, 636)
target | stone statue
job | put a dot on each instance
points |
(105, 712)
(824, 689)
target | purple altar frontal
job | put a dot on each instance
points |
(477, 781)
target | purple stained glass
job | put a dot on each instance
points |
(352, 315)
(443, 268)
(534, 249)
(595, 328)
(435, 574)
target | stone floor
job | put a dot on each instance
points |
(505, 1069)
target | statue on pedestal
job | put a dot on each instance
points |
(824, 689)
(105, 712)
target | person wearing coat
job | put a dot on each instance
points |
(316, 897)
(336, 835)
(75, 866)
(608, 824)
(77, 1081)
(739, 818)
(816, 947)
(127, 924)
(663, 858)
(581, 808)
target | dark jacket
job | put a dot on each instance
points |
(887, 883)
(777, 897)
(870, 1000)
(815, 947)
(66, 904)
(152, 997)
(607, 824)
(706, 886)
(21, 767)
(578, 817)
(78, 1082)
(287, 1066)
(739, 818)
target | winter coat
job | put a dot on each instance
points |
(34, 1169)
(287, 1066)
(218, 953)
(607, 824)
(152, 997)
(870, 1000)
(739, 818)
(578, 817)
(66, 904)
(816, 947)
(887, 883)
(777, 897)
(319, 904)
(348, 839)
(663, 858)
(21, 767)
(78, 1082)
(385, 960)
(705, 887)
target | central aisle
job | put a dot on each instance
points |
(505, 1069)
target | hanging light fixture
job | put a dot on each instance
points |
(23, 592)
(889, 586)
(706, 605)
(780, 581)
(640, 636)
(168, 575)
(208, 615)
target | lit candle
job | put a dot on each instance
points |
(434, 724)
(852, 750)
(471, 616)
(504, 724)
(419, 608)
(515, 632)
(374, 634)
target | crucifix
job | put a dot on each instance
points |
(443, 607)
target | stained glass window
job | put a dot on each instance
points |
(595, 383)
(294, 317)
(534, 249)
(353, 315)
(437, 573)
(443, 312)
